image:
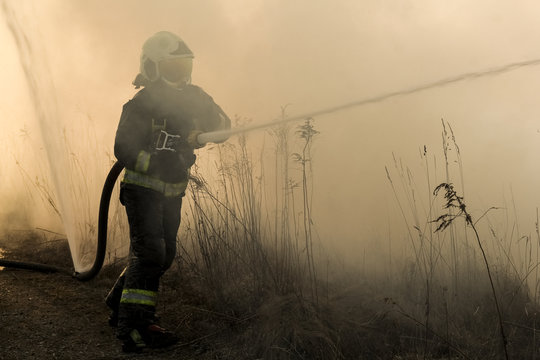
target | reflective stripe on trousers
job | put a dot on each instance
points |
(139, 296)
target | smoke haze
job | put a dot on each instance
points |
(256, 56)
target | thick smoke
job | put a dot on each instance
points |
(256, 56)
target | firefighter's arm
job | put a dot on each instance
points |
(212, 118)
(131, 141)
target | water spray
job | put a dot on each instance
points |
(43, 98)
(101, 240)
(218, 136)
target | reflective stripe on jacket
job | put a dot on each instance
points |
(167, 189)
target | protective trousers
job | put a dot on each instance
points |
(153, 224)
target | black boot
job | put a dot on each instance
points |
(113, 319)
(157, 337)
(113, 299)
(153, 336)
(132, 342)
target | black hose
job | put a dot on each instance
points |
(31, 266)
(102, 223)
(102, 235)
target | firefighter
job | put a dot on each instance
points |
(155, 140)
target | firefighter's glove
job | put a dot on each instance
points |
(193, 141)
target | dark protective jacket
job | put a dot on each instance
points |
(155, 143)
(157, 112)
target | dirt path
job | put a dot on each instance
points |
(53, 316)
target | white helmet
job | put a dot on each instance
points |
(167, 57)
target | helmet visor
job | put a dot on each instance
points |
(176, 69)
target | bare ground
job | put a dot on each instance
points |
(55, 316)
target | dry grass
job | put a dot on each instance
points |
(247, 282)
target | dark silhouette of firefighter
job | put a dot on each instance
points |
(155, 140)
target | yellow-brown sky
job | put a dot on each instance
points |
(254, 56)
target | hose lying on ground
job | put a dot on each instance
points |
(101, 241)
(31, 266)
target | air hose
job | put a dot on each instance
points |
(101, 240)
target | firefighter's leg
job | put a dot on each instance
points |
(144, 209)
(113, 298)
(171, 222)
